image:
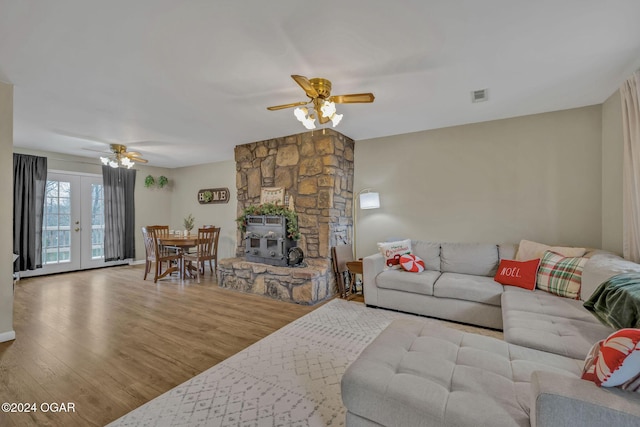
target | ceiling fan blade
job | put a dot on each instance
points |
(352, 98)
(137, 159)
(280, 107)
(305, 84)
(132, 154)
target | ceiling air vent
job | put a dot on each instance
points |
(480, 95)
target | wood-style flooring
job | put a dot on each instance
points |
(108, 341)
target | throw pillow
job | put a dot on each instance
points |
(560, 275)
(530, 250)
(518, 273)
(614, 361)
(412, 263)
(391, 251)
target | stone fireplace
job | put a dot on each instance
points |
(316, 170)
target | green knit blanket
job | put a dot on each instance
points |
(616, 302)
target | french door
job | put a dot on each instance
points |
(73, 224)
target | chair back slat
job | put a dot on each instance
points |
(149, 243)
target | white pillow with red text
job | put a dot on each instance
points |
(392, 251)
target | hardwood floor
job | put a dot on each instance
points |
(107, 341)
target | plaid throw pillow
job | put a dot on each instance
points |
(560, 275)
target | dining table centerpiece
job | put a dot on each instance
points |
(188, 222)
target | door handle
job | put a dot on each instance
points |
(76, 229)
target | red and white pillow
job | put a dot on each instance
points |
(412, 263)
(615, 361)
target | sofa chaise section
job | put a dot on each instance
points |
(420, 373)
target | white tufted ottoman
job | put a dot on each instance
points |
(419, 373)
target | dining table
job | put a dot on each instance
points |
(183, 244)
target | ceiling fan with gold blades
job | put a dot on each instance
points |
(120, 157)
(319, 92)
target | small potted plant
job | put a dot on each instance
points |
(188, 224)
(162, 181)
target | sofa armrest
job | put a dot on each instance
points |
(371, 267)
(559, 400)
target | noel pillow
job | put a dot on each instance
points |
(614, 361)
(392, 251)
(518, 273)
(411, 263)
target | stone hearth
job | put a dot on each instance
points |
(316, 170)
(302, 285)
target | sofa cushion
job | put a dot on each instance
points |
(468, 287)
(419, 283)
(507, 250)
(530, 250)
(550, 323)
(480, 259)
(560, 275)
(419, 373)
(429, 252)
(602, 267)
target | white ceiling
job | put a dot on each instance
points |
(183, 82)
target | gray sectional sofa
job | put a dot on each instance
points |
(417, 373)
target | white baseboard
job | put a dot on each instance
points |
(138, 262)
(7, 336)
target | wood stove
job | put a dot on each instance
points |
(266, 240)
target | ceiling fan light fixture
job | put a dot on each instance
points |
(121, 158)
(301, 113)
(336, 118)
(125, 161)
(309, 123)
(328, 109)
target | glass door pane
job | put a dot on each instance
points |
(97, 221)
(92, 220)
(60, 239)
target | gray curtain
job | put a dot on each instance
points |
(119, 213)
(29, 185)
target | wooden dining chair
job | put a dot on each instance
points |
(159, 254)
(205, 250)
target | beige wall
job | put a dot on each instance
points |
(612, 155)
(6, 212)
(535, 177)
(188, 181)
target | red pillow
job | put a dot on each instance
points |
(518, 273)
(412, 263)
(614, 361)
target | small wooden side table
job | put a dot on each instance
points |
(355, 267)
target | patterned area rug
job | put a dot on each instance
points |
(290, 378)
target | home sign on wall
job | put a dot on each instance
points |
(213, 195)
